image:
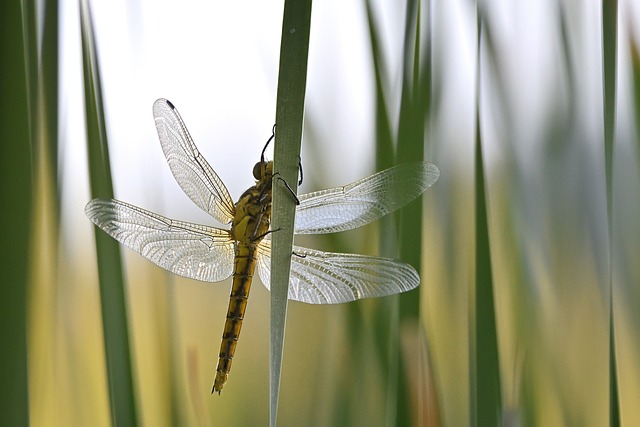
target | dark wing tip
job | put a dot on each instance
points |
(162, 102)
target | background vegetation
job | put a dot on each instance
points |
(527, 246)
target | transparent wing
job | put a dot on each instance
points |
(364, 201)
(190, 250)
(192, 171)
(330, 278)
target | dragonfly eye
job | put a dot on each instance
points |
(258, 170)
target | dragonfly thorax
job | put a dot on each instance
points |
(253, 210)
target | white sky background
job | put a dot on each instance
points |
(217, 62)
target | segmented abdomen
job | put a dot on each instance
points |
(245, 264)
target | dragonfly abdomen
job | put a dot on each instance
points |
(245, 265)
(249, 226)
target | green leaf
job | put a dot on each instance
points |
(387, 340)
(49, 69)
(609, 58)
(401, 313)
(112, 291)
(486, 395)
(292, 79)
(16, 193)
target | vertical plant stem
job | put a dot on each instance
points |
(292, 80)
(414, 105)
(609, 56)
(486, 396)
(112, 292)
(49, 68)
(16, 194)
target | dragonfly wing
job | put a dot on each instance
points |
(330, 278)
(192, 171)
(190, 250)
(364, 201)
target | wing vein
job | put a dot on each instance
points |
(191, 250)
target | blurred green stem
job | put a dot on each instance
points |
(16, 193)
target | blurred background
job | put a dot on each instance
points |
(557, 249)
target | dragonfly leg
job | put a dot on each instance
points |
(263, 235)
(300, 167)
(277, 175)
(273, 134)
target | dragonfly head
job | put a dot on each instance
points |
(263, 170)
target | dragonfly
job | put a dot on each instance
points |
(213, 254)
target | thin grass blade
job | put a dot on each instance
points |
(112, 292)
(44, 292)
(385, 155)
(386, 334)
(486, 395)
(609, 57)
(16, 193)
(415, 101)
(411, 131)
(292, 80)
(411, 145)
(49, 81)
